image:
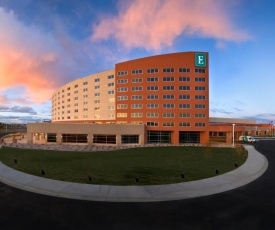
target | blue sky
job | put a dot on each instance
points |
(46, 44)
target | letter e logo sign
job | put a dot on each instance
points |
(200, 59)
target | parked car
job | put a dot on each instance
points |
(247, 139)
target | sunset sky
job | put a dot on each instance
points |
(45, 44)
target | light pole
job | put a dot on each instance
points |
(233, 125)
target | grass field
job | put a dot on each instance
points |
(152, 165)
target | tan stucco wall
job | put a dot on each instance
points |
(89, 129)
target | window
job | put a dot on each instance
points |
(151, 79)
(85, 109)
(184, 115)
(199, 124)
(152, 70)
(152, 115)
(136, 80)
(184, 97)
(122, 81)
(122, 98)
(200, 88)
(85, 103)
(199, 70)
(136, 97)
(68, 88)
(137, 88)
(111, 92)
(76, 92)
(97, 108)
(85, 83)
(152, 106)
(168, 78)
(152, 123)
(184, 87)
(184, 106)
(200, 106)
(184, 78)
(85, 89)
(97, 80)
(129, 139)
(184, 70)
(104, 139)
(199, 97)
(168, 87)
(111, 77)
(168, 96)
(97, 94)
(168, 115)
(111, 84)
(184, 124)
(200, 79)
(152, 88)
(122, 106)
(136, 114)
(168, 106)
(137, 71)
(85, 96)
(75, 86)
(200, 115)
(122, 73)
(168, 124)
(76, 98)
(136, 106)
(97, 101)
(75, 104)
(152, 97)
(97, 87)
(68, 94)
(111, 107)
(122, 89)
(168, 70)
(121, 115)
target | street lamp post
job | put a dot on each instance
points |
(233, 125)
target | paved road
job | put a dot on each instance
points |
(249, 207)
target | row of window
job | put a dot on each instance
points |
(180, 124)
(156, 79)
(165, 106)
(164, 70)
(165, 87)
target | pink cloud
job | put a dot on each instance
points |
(155, 24)
(30, 58)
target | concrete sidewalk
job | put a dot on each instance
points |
(253, 168)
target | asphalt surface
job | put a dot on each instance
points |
(249, 207)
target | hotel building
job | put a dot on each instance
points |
(157, 99)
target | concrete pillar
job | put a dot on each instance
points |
(90, 139)
(141, 139)
(118, 139)
(29, 138)
(59, 138)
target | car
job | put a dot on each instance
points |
(247, 139)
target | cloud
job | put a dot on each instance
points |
(18, 109)
(155, 24)
(35, 60)
(220, 111)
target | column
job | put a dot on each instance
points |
(90, 139)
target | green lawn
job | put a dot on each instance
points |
(153, 165)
